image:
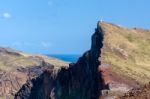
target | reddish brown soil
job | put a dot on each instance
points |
(118, 84)
(139, 93)
(110, 77)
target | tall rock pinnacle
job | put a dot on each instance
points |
(80, 80)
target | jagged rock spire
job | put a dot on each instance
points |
(81, 80)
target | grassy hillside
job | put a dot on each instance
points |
(11, 59)
(17, 67)
(127, 51)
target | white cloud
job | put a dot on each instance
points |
(7, 15)
(43, 45)
(46, 45)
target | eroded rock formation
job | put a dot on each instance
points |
(17, 67)
(81, 80)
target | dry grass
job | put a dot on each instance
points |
(128, 51)
(10, 61)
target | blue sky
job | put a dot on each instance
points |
(64, 26)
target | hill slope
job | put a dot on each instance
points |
(125, 57)
(17, 67)
(127, 51)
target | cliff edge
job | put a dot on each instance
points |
(81, 80)
(17, 67)
(118, 57)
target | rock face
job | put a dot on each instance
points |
(11, 82)
(17, 67)
(81, 80)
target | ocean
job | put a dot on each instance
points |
(68, 58)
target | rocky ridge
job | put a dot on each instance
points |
(17, 67)
(81, 80)
(118, 56)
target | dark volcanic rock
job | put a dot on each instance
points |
(17, 67)
(80, 80)
(11, 82)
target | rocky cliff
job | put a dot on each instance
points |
(17, 67)
(118, 56)
(81, 80)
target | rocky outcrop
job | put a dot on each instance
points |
(17, 67)
(118, 55)
(81, 80)
(11, 82)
